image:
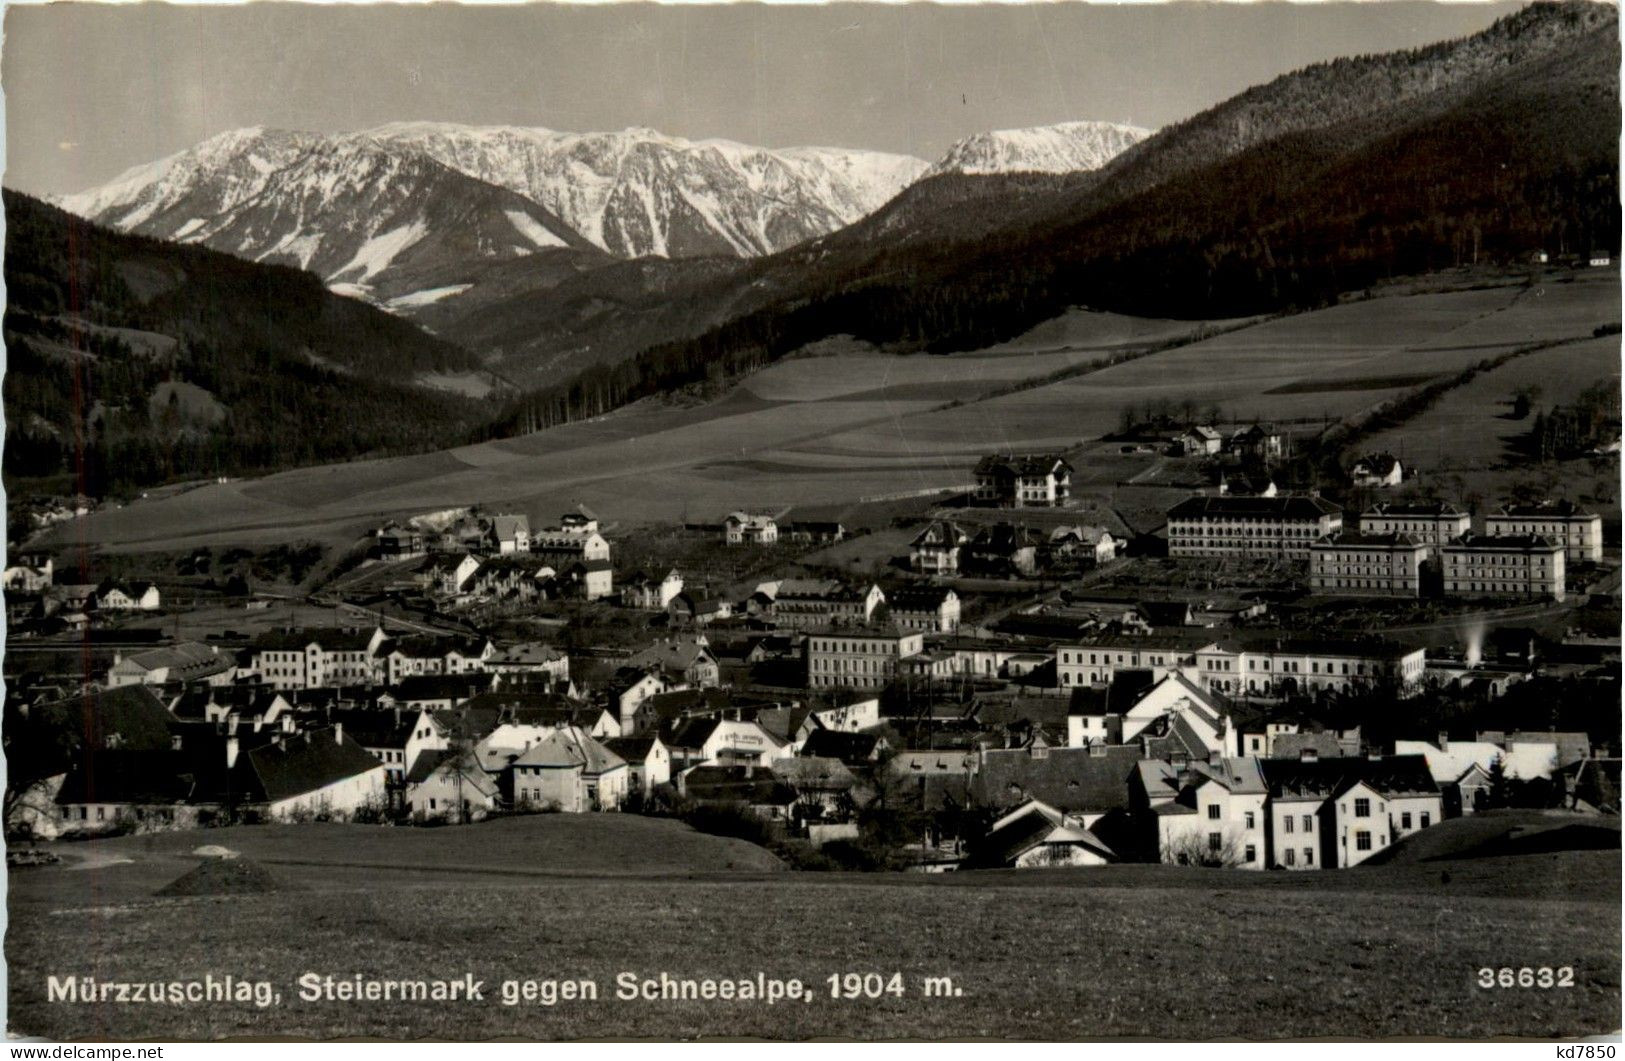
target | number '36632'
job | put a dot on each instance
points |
(1544, 976)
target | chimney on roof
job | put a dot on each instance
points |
(1444, 741)
(397, 714)
(231, 752)
(338, 733)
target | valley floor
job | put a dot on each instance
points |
(853, 424)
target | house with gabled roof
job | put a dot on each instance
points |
(935, 550)
(531, 659)
(648, 762)
(396, 737)
(750, 528)
(1199, 441)
(569, 771)
(185, 662)
(1336, 813)
(1022, 480)
(320, 773)
(1376, 470)
(648, 593)
(1035, 835)
(756, 789)
(116, 596)
(1136, 701)
(724, 741)
(932, 609)
(806, 603)
(449, 786)
(1216, 815)
(686, 660)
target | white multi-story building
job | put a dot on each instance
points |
(1433, 523)
(1282, 667)
(1023, 480)
(1250, 526)
(312, 659)
(1367, 565)
(1095, 661)
(858, 657)
(1504, 566)
(1577, 531)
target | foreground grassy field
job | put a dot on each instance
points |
(851, 424)
(1119, 951)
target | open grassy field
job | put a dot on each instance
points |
(1118, 951)
(853, 424)
(1471, 426)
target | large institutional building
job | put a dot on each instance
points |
(1367, 565)
(1504, 566)
(1250, 526)
(1433, 523)
(1577, 531)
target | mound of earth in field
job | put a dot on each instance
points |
(1495, 834)
(224, 876)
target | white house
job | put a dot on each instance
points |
(1037, 836)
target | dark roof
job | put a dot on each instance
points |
(332, 639)
(1005, 538)
(941, 533)
(1045, 711)
(1502, 543)
(132, 716)
(918, 598)
(123, 776)
(1355, 540)
(306, 763)
(1295, 506)
(1391, 775)
(1415, 510)
(440, 686)
(1020, 464)
(373, 728)
(1545, 510)
(1324, 744)
(1377, 463)
(1373, 648)
(847, 747)
(631, 749)
(1068, 779)
(755, 785)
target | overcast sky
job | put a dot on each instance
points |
(91, 91)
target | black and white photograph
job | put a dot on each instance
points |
(833, 521)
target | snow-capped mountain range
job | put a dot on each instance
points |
(420, 197)
(1066, 148)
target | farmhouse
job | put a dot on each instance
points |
(1023, 480)
(395, 738)
(1579, 532)
(1136, 704)
(748, 528)
(1504, 566)
(449, 576)
(858, 657)
(1433, 523)
(1269, 667)
(822, 532)
(935, 550)
(693, 609)
(447, 786)
(1368, 565)
(1199, 441)
(1250, 526)
(113, 596)
(931, 609)
(1376, 470)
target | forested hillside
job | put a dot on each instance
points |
(1514, 149)
(132, 361)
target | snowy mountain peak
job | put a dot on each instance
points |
(1064, 148)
